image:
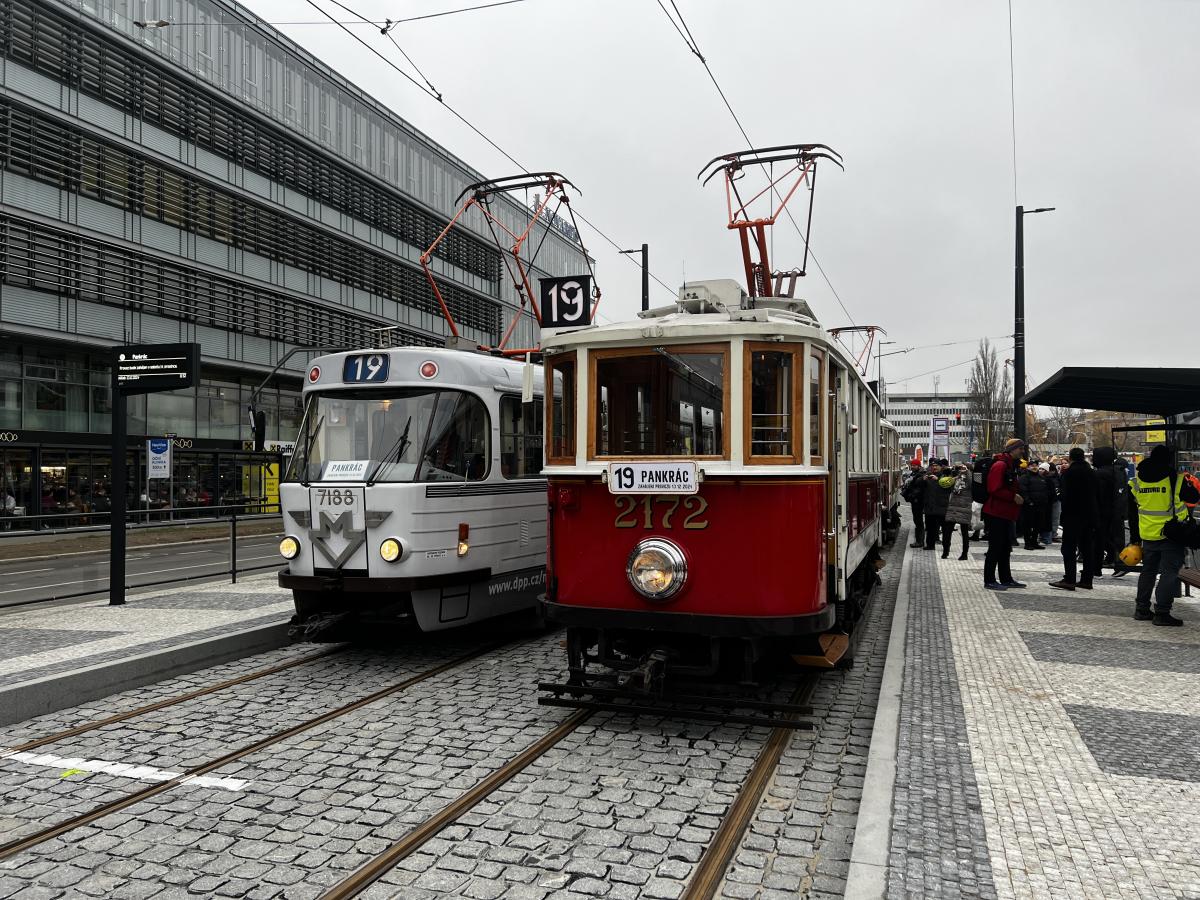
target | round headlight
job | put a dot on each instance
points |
(390, 550)
(289, 547)
(656, 569)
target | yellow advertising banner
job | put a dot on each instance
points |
(1156, 437)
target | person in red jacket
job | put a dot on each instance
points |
(1003, 507)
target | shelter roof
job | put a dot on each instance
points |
(1163, 392)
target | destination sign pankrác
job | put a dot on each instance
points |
(148, 368)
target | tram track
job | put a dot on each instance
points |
(19, 845)
(714, 862)
(172, 701)
(448, 815)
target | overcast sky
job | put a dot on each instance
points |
(917, 234)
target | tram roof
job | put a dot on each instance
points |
(455, 367)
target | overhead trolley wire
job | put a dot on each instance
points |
(438, 97)
(358, 20)
(690, 41)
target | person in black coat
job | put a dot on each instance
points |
(1110, 528)
(1036, 491)
(938, 484)
(913, 491)
(1080, 519)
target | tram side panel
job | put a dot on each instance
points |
(755, 552)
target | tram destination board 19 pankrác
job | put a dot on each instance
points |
(148, 368)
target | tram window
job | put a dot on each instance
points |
(816, 391)
(660, 401)
(402, 435)
(770, 419)
(560, 384)
(520, 438)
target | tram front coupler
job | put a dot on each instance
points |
(315, 625)
(647, 676)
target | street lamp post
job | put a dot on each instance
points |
(645, 251)
(879, 354)
(1019, 323)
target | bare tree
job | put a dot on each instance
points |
(991, 398)
(1063, 424)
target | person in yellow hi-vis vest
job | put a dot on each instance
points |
(1156, 495)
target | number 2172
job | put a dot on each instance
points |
(632, 511)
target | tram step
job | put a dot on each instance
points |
(833, 648)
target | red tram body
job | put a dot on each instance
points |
(776, 549)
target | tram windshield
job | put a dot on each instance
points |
(403, 435)
(660, 401)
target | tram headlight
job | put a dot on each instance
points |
(657, 569)
(289, 547)
(391, 550)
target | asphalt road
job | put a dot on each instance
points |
(44, 578)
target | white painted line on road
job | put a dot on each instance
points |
(27, 572)
(138, 773)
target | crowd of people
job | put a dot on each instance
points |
(1082, 506)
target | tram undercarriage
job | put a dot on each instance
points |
(656, 669)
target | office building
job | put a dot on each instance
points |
(207, 181)
(912, 414)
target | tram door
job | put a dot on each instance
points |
(839, 455)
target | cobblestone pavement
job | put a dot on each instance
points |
(799, 841)
(1047, 740)
(34, 795)
(622, 808)
(37, 641)
(314, 806)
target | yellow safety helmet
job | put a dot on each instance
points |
(1132, 555)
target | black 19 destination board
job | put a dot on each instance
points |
(566, 302)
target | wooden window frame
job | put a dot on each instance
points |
(816, 459)
(594, 356)
(550, 365)
(797, 412)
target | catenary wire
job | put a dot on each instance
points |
(941, 369)
(387, 32)
(473, 128)
(390, 23)
(695, 49)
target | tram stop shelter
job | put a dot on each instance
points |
(1159, 392)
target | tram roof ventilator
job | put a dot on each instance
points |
(726, 296)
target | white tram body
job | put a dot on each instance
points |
(415, 490)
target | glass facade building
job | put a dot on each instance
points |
(208, 181)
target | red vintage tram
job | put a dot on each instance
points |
(716, 476)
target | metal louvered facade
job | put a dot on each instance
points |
(209, 182)
(214, 182)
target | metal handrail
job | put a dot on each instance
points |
(232, 570)
(221, 514)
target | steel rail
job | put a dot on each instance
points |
(448, 815)
(14, 847)
(172, 701)
(719, 853)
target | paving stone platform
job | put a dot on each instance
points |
(1047, 742)
(56, 656)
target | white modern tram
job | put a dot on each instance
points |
(415, 491)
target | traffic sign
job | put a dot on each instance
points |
(149, 368)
